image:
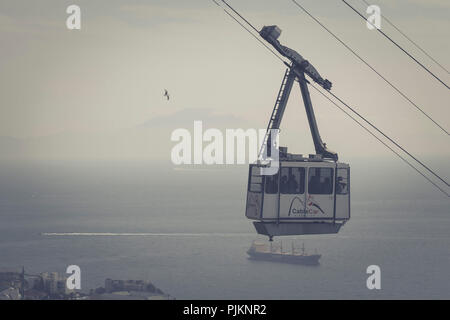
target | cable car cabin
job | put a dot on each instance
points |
(306, 196)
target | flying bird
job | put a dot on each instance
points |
(166, 94)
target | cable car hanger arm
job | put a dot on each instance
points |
(297, 70)
(271, 34)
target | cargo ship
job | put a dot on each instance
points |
(263, 251)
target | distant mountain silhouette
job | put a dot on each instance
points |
(151, 139)
(185, 118)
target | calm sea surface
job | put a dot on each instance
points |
(189, 235)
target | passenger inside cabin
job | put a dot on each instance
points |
(341, 187)
(284, 184)
(272, 184)
(327, 188)
(314, 185)
(292, 184)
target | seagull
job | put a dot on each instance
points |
(166, 94)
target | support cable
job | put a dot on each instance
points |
(372, 68)
(354, 111)
(410, 40)
(381, 141)
(397, 45)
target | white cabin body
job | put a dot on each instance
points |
(307, 195)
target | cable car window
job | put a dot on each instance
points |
(272, 184)
(254, 187)
(256, 180)
(255, 184)
(284, 180)
(320, 181)
(342, 181)
(292, 181)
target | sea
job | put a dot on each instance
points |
(184, 230)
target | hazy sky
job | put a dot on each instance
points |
(110, 75)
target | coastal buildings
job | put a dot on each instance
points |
(54, 283)
(10, 284)
(128, 290)
(16, 285)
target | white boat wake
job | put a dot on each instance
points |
(109, 234)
